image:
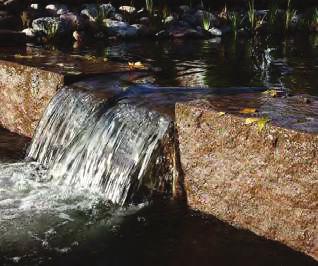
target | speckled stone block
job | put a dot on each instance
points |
(24, 93)
(264, 181)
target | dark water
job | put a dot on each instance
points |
(52, 227)
(292, 63)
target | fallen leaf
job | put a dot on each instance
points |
(248, 111)
(221, 113)
(260, 121)
(135, 65)
(271, 92)
(251, 120)
(23, 56)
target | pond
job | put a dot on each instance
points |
(44, 223)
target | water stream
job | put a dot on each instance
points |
(82, 196)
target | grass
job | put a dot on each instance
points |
(165, 12)
(289, 14)
(234, 19)
(52, 32)
(251, 13)
(150, 6)
(272, 15)
(206, 21)
(315, 16)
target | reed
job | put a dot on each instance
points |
(251, 13)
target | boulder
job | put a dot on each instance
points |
(94, 12)
(263, 180)
(127, 9)
(74, 21)
(57, 9)
(50, 26)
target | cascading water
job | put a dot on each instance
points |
(87, 153)
(94, 145)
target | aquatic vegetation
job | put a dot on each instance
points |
(251, 13)
(52, 31)
(206, 21)
(273, 17)
(165, 12)
(315, 16)
(289, 14)
(149, 6)
(234, 20)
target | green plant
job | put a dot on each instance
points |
(149, 6)
(289, 14)
(52, 31)
(315, 16)
(235, 22)
(251, 13)
(206, 21)
(165, 12)
(272, 15)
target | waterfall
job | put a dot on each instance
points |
(110, 147)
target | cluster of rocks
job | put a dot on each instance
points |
(83, 23)
(43, 23)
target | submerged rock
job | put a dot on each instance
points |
(121, 29)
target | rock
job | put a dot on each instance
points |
(101, 12)
(180, 31)
(50, 25)
(127, 9)
(10, 22)
(79, 36)
(30, 90)
(121, 29)
(264, 181)
(12, 38)
(144, 20)
(215, 31)
(74, 21)
(57, 9)
(35, 6)
(169, 20)
(117, 16)
(30, 32)
(184, 8)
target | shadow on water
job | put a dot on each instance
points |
(167, 234)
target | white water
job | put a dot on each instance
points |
(84, 154)
(105, 148)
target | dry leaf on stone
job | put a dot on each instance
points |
(271, 92)
(260, 121)
(248, 111)
(135, 65)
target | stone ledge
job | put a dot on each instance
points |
(266, 182)
(25, 92)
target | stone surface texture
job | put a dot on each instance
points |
(264, 181)
(25, 92)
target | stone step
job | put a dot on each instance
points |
(265, 180)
